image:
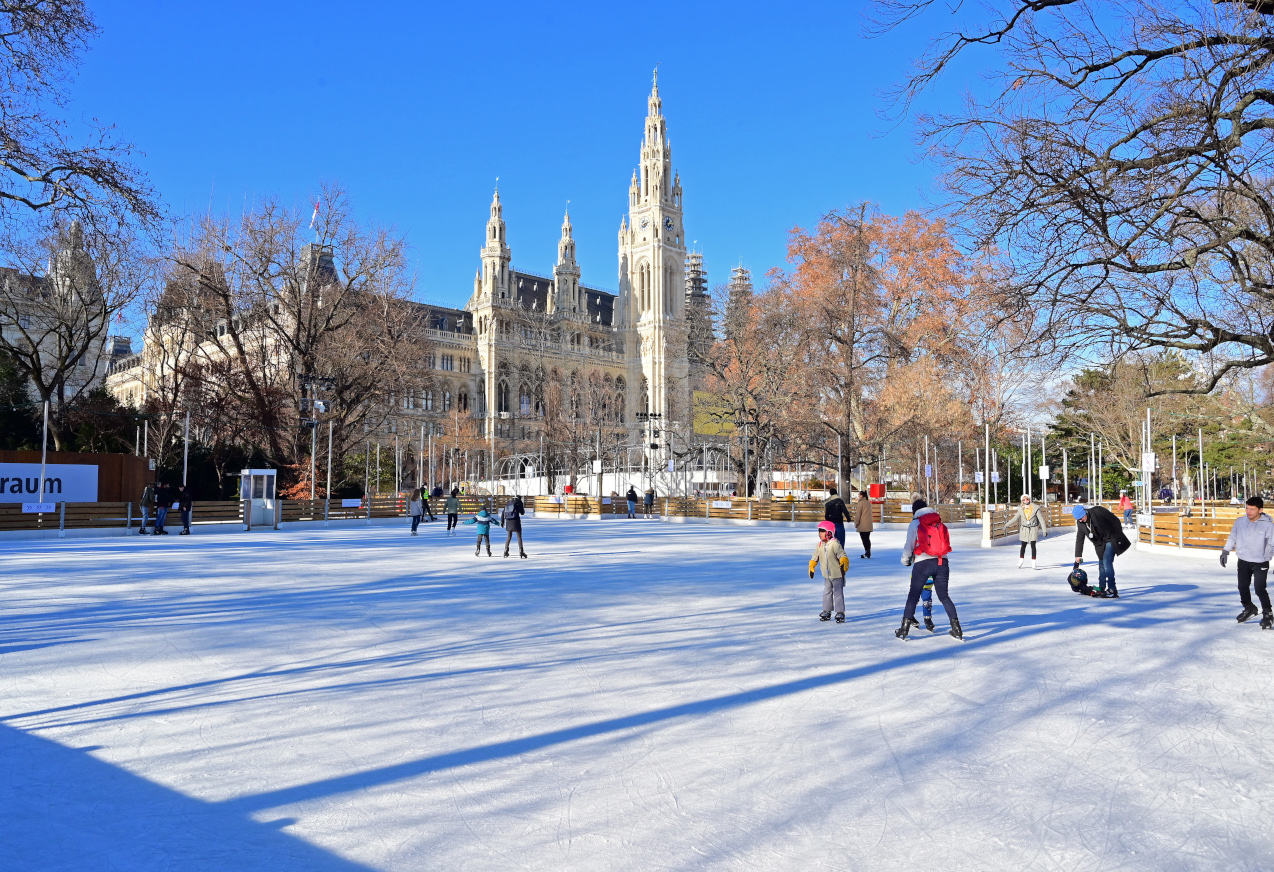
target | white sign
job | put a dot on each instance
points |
(28, 508)
(1148, 461)
(71, 482)
(605, 501)
(529, 472)
(1043, 473)
(720, 504)
(557, 500)
(928, 470)
(977, 477)
(904, 507)
(995, 478)
(351, 504)
(670, 467)
(597, 467)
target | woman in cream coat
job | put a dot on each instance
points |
(1032, 526)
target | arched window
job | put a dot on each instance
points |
(619, 407)
(482, 398)
(462, 400)
(524, 400)
(446, 401)
(502, 397)
(427, 401)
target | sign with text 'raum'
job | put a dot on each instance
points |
(63, 482)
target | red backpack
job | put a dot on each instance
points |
(932, 537)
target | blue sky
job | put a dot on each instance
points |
(416, 108)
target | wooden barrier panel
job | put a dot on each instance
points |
(13, 518)
(216, 512)
(88, 515)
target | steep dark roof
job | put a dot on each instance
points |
(532, 292)
(447, 319)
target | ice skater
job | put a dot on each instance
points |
(1252, 539)
(1099, 525)
(830, 554)
(834, 510)
(511, 517)
(452, 508)
(416, 509)
(1126, 506)
(864, 523)
(631, 497)
(926, 549)
(1032, 526)
(483, 520)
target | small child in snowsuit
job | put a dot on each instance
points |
(831, 556)
(483, 520)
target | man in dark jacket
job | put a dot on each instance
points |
(834, 510)
(511, 517)
(1102, 528)
(184, 503)
(631, 496)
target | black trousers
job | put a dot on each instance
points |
(1249, 573)
(1022, 551)
(451, 520)
(922, 572)
(866, 537)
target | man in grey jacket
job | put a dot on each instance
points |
(1252, 538)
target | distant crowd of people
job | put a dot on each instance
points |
(158, 499)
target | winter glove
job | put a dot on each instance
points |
(1225, 555)
(844, 564)
(813, 565)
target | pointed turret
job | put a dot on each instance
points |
(566, 273)
(495, 253)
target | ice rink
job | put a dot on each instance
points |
(636, 695)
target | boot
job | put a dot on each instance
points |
(1267, 620)
(824, 616)
(506, 553)
(929, 624)
(1020, 561)
(523, 555)
(1248, 611)
(1034, 564)
(840, 617)
(955, 628)
(902, 631)
(912, 620)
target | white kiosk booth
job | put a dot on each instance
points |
(256, 489)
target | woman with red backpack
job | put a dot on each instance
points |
(926, 550)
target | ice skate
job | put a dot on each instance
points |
(824, 616)
(955, 628)
(912, 621)
(929, 623)
(1020, 562)
(523, 555)
(1248, 612)
(902, 631)
(1267, 620)
(1034, 564)
(840, 617)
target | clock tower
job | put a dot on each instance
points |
(652, 266)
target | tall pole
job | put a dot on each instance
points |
(185, 450)
(1202, 493)
(313, 450)
(1066, 478)
(420, 460)
(1030, 491)
(838, 463)
(986, 471)
(377, 467)
(1092, 466)
(960, 460)
(328, 493)
(44, 449)
(145, 437)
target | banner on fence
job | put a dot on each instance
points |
(33, 508)
(70, 482)
(351, 504)
(720, 504)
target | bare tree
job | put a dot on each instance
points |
(1123, 160)
(58, 298)
(46, 165)
(279, 311)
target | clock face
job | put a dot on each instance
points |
(668, 223)
(645, 222)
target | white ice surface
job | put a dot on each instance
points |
(635, 696)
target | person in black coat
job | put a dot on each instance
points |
(1102, 528)
(834, 510)
(511, 517)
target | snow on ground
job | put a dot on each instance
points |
(637, 695)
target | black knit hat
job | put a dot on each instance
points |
(918, 505)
